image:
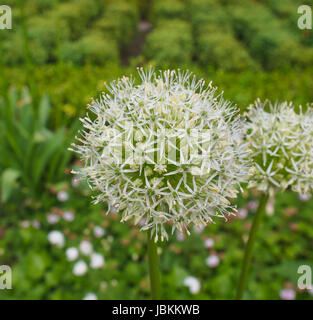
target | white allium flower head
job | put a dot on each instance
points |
(168, 150)
(86, 247)
(96, 261)
(193, 284)
(71, 253)
(281, 141)
(56, 238)
(80, 268)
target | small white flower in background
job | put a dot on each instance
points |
(103, 286)
(53, 218)
(86, 248)
(281, 142)
(68, 216)
(212, 261)
(90, 296)
(62, 196)
(304, 197)
(98, 232)
(193, 284)
(75, 182)
(253, 205)
(80, 268)
(96, 261)
(25, 224)
(270, 206)
(142, 222)
(199, 228)
(182, 183)
(71, 253)
(114, 283)
(209, 243)
(242, 213)
(311, 291)
(180, 236)
(56, 238)
(135, 256)
(36, 224)
(287, 294)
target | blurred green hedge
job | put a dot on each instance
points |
(93, 49)
(220, 49)
(266, 37)
(170, 43)
(167, 9)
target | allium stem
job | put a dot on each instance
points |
(154, 268)
(250, 245)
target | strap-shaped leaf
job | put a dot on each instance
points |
(44, 111)
(8, 180)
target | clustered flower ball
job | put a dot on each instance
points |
(281, 141)
(166, 151)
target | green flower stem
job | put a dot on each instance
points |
(250, 245)
(154, 268)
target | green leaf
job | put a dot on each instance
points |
(36, 264)
(13, 100)
(25, 110)
(8, 180)
(44, 111)
(288, 269)
(46, 150)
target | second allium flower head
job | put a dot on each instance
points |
(281, 143)
(165, 151)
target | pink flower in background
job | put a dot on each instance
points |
(180, 236)
(199, 229)
(68, 216)
(62, 196)
(252, 205)
(209, 243)
(212, 261)
(287, 294)
(98, 232)
(242, 213)
(53, 218)
(304, 197)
